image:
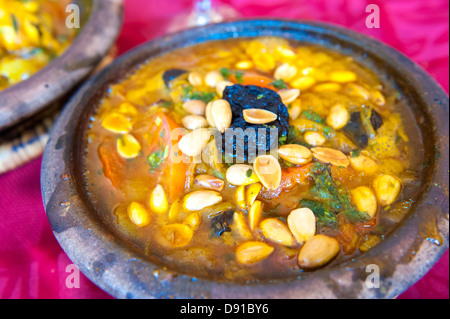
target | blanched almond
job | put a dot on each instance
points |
(318, 251)
(209, 181)
(314, 138)
(195, 79)
(240, 225)
(274, 230)
(138, 214)
(158, 200)
(193, 143)
(255, 214)
(200, 199)
(387, 189)
(195, 107)
(364, 164)
(302, 224)
(240, 197)
(338, 117)
(212, 78)
(331, 156)
(253, 252)
(241, 174)
(295, 154)
(285, 72)
(289, 96)
(220, 115)
(364, 199)
(175, 235)
(252, 193)
(259, 116)
(221, 86)
(193, 122)
(268, 170)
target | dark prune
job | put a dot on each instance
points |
(376, 120)
(355, 132)
(262, 137)
(172, 74)
(222, 223)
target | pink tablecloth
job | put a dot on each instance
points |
(32, 265)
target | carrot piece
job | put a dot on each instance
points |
(113, 164)
(289, 178)
(174, 170)
(250, 78)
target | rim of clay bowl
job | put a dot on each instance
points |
(403, 258)
(59, 77)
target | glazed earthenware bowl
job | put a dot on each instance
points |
(101, 22)
(111, 263)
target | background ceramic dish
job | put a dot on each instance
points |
(57, 79)
(28, 109)
(403, 258)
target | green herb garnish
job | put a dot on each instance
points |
(279, 84)
(15, 22)
(355, 153)
(190, 94)
(226, 73)
(313, 116)
(249, 173)
(330, 198)
(157, 158)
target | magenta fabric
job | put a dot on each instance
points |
(32, 264)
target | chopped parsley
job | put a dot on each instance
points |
(157, 158)
(226, 73)
(279, 84)
(355, 153)
(330, 198)
(313, 116)
(15, 22)
(190, 94)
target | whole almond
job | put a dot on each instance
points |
(220, 115)
(195, 107)
(193, 122)
(318, 251)
(285, 72)
(295, 154)
(195, 79)
(331, 156)
(268, 170)
(193, 143)
(209, 181)
(302, 224)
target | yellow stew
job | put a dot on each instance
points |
(252, 159)
(32, 33)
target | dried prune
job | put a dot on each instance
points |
(222, 223)
(354, 130)
(376, 120)
(172, 74)
(243, 141)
